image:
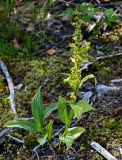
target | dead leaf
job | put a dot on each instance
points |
(15, 43)
(30, 27)
(116, 111)
(51, 51)
(7, 89)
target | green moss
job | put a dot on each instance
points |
(31, 139)
(111, 123)
(105, 130)
(113, 36)
(97, 157)
(108, 69)
(2, 86)
(57, 64)
(5, 101)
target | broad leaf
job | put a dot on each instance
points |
(71, 135)
(85, 106)
(25, 124)
(80, 108)
(41, 140)
(62, 110)
(71, 115)
(68, 140)
(38, 109)
(49, 130)
(75, 132)
(49, 109)
(77, 110)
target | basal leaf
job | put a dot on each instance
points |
(49, 130)
(71, 135)
(25, 124)
(42, 140)
(38, 109)
(49, 109)
(75, 132)
(62, 110)
(68, 140)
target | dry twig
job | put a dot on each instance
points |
(102, 151)
(15, 139)
(4, 133)
(10, 85)
(86, 65)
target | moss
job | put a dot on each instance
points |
(111, 123)
(5, 110)
(5, 101)
(31, 140)
(97, 157)
(5, 115)
(104, 70)
(105, 130)
(107, 69)
(31, 73)
(113, 36)
(2, 85)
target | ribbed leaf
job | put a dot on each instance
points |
(27, 125)
(68, 140)
(77, 110)
(62, 110)
(80, 108)
(38, 109)
(85, 106)
(71, 135)
(49, 109)
(49, 130)
(75, 132)
(42, 140)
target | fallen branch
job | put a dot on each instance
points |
(10, 85)
(15, 139)
(4, 133)
(102, 151)
(116, 80)
(86, 65)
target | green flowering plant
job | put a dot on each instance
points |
(80, 56)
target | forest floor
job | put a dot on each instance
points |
(39, 55)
